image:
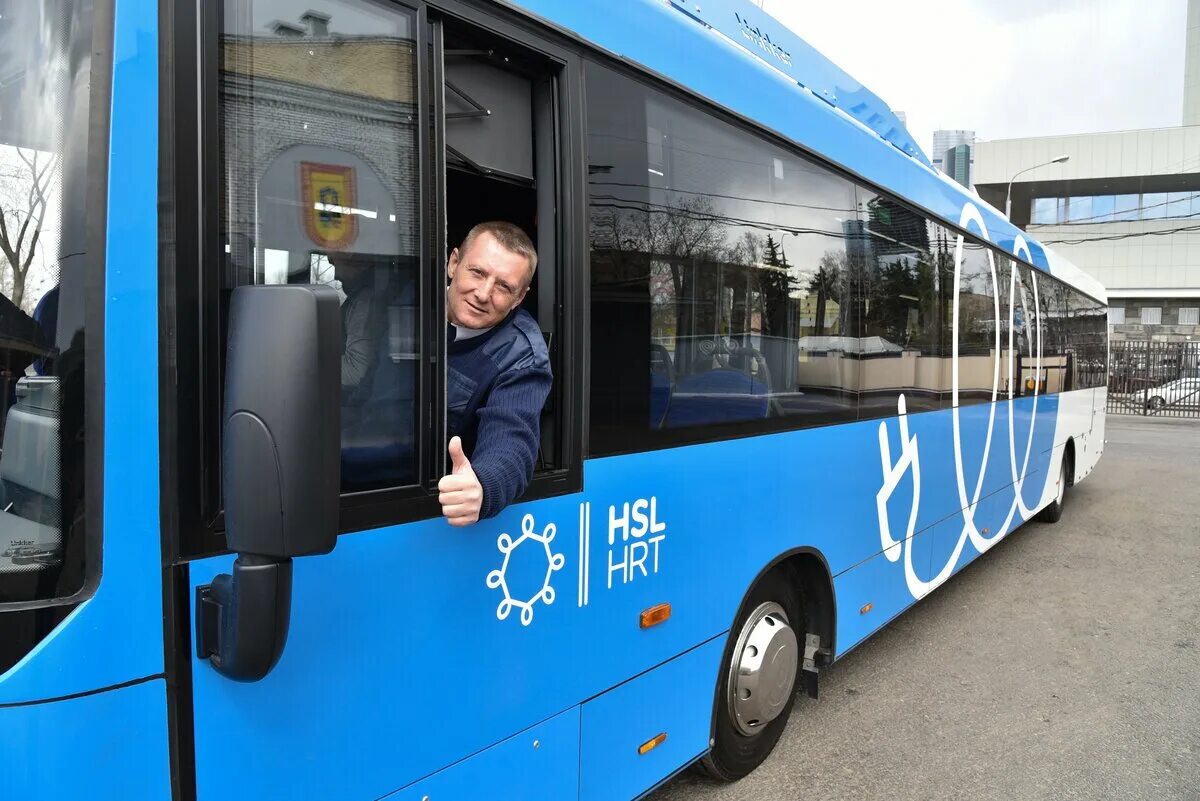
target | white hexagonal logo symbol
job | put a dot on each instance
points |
(529, 539)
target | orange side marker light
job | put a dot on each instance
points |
(651, 744)
(655, 615)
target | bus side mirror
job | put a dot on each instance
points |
(281, 468)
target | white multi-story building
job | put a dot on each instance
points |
(1191, 79)
(1125, 206)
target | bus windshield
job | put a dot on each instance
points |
(44, 88)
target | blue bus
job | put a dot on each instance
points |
(800, 380)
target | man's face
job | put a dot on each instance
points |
(486, 283)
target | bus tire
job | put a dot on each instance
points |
(736, 751)
(1053, 512)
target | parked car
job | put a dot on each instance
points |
(1179, 393)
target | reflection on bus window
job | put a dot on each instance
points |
(320, 155)
(905, 273)
(723, 261)
(44, 60)
(738, 288)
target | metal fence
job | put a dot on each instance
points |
(1154, 378)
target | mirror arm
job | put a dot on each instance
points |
(242, 619)
(280, 468)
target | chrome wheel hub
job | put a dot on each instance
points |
(763, 670)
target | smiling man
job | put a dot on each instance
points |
(498, 374)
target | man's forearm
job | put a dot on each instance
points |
(508, 438)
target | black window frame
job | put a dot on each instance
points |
(190, 309)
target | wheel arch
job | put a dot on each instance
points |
(808, 572)
(1069, 455)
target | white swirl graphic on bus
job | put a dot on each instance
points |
(908, 459)
(499, 577)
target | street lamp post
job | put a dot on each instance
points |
(1008, 197)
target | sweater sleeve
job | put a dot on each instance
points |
(358, 347)
(509, 434)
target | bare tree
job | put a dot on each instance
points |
(24, 190)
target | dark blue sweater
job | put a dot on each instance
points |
(496, 386)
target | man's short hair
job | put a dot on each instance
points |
(510, 237)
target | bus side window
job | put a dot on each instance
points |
(903, 303)
(321, 186)
(723, 276)
(501, 165)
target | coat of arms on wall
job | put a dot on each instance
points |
(327, 197)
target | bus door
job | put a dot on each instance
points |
(343, 640)
(82, 685)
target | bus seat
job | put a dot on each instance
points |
(378, 437)
(379, 447)
(723, 395)
(30, 465)
(662, 379)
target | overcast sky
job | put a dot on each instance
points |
(1007, 68)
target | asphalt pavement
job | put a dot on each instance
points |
(1063, 664)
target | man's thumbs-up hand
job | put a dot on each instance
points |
(460, 493)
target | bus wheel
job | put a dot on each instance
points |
(1053, 512)
(758, 680)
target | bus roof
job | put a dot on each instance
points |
(779, 48)
(757, 68)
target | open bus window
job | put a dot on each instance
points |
(321, 186)
(502, 165)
